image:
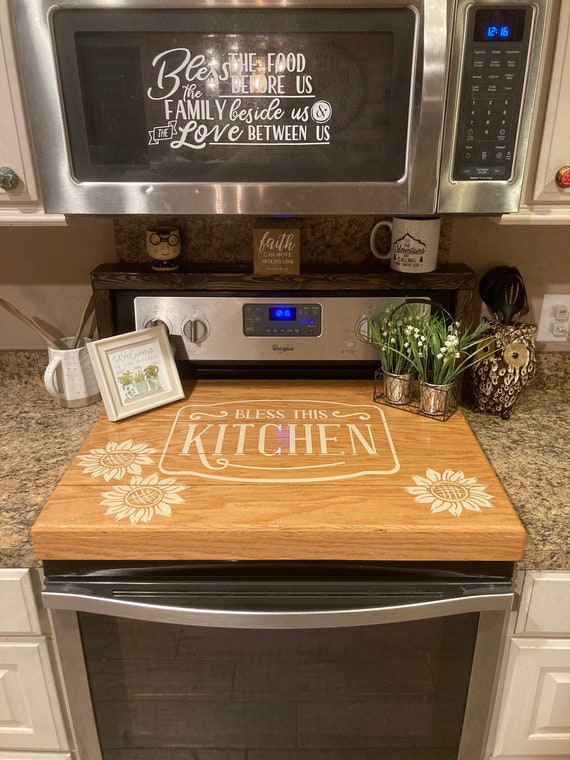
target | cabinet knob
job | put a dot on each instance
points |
(563, 177)
(9, 180)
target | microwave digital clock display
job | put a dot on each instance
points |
(499, 25)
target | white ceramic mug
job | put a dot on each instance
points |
(414, 246)
(69, 376)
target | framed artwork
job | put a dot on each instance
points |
(135, 371)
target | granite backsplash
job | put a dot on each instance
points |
(326, 241)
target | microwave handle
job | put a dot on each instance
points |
(281, 619)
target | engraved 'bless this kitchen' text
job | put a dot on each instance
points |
(265, 432)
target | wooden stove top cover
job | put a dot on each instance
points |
(279, 470)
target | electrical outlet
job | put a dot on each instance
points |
(554, 322)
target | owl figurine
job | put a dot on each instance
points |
(500, 375)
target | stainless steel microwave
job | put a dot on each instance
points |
(271, 107)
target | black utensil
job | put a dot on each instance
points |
(488, 284)
(509, 296)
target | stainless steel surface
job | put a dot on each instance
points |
(438, 70)
(335, 618)
(77, 694)
(493, 608)
(490, 644)
(481, 196)
(416, 192)
(213, 328)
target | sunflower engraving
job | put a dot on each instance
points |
(143, 498)
(450, 491)
(116, 460)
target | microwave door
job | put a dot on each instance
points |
(181, 108)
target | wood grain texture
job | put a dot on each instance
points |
(244, 492)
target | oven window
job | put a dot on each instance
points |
(248, 95)
(386, 692)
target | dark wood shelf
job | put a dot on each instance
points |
(118, 276)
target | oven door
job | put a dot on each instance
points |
(280, 661)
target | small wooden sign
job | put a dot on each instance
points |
(277, 247)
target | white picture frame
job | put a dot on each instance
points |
(135, 371)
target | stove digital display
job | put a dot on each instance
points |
(297, 320)
(282, 314)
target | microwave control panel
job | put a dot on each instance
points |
(492, 88)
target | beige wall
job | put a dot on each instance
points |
(44, 271)
(541, 253)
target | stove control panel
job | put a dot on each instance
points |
(252, 327)
(282, 318)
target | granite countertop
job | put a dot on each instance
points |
(528, 452)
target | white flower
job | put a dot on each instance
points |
(450, 491)
(117, 459)
(143, 498)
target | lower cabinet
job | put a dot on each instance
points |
(32, 725)
(534, 712)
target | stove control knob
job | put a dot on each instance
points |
(195, 330)
(156, 323)
(362, 329)
(563, 177)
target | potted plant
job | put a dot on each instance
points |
(389, 331)
(127, 380)
(151, 374)
(440, 351)
(141, 382)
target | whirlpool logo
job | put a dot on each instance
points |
(282, 349)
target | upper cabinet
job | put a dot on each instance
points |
(547, 190)
(20, 200)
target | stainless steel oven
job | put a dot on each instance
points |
(297, 107)
(267, 661)
(276, 660)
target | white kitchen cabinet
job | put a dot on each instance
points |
(544, 202)
(22, 204)
(534, 713)
(34, 756)
(31, 720)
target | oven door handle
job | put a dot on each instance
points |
(277, 619)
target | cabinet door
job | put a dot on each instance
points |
(545, 604)
(14, 145)
(535, 713)
(22, 205)
(19, 615)
(29, 712)
(555, 143)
